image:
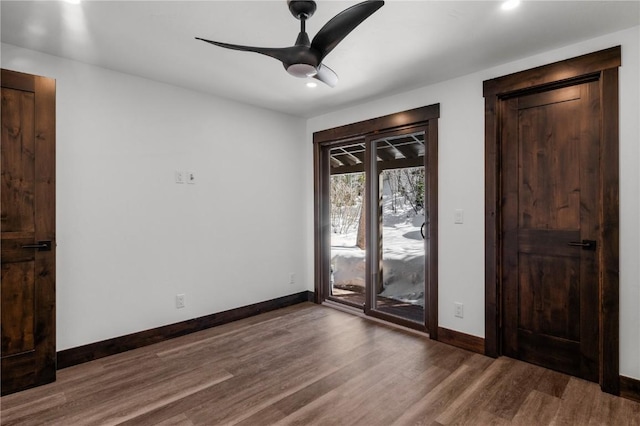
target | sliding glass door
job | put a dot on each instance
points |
(398, 220)
(347, 187)
(376, 217)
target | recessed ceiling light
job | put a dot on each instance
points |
(312, 84)
(73, 1)
(510, 4)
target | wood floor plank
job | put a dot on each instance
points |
(513, 389)
(474, 397)
(300, 369)
(539, 408)
(305, 395)
(576, 403)
(397, 403)
(605, 410)
(340, 401)
(141, 400)
(295, 396)
(553, 383)
(484, 417)
(439, 399)
(36, 407)
(179, 420)
(235, 342)
(267, 416)
(629, 412)
(608, 409)
(310, 364)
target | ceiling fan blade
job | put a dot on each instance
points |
(341, 25)
(326, 75)
(283, 54)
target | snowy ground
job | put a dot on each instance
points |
(402, 256)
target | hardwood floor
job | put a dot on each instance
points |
(309, 364)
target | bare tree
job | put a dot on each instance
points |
(414, 187)
(406, 186)
(362, 224)
(346, 200)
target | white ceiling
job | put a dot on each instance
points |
(406, 44)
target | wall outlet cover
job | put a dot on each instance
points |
(180, 301)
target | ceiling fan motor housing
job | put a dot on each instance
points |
(301, 9)
(303, 63)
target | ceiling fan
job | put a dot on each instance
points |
(304, 59)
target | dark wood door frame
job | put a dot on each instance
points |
(426, 116)
(603, 67)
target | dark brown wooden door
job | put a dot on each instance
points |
(28, 231)
(551, 145)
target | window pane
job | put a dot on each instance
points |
(347, 215)
(401, 285)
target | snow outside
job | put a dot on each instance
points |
(402, 243)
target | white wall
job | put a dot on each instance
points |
(129, 238)
(461, 182)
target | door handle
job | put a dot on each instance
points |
(585, 244)
(41, 246)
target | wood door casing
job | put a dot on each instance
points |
(28, 217)
(551, 144)
(601, 66)
(325, 139)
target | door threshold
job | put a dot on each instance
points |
(357, 312)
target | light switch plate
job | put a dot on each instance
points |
(458, 216)
(179, 175)
(458, 310)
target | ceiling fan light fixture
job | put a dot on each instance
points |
(302, 70)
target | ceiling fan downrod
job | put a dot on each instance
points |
(303, 37)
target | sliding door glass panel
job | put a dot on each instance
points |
(400, 286)
(347, 216)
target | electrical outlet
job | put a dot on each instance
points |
(292, 278)
(179, 301)
(458, 310)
